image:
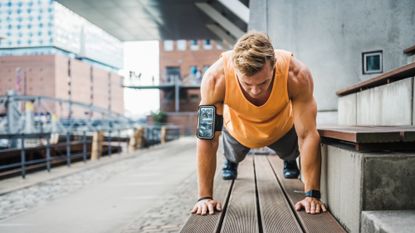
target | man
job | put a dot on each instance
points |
(266, 99)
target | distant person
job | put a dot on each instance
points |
(265, 97)
(198, 75)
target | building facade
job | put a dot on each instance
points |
(48, 50)
(185, 62)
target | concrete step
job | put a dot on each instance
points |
(352, 182)
(389, 104)
(388, 221)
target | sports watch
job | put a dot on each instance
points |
(313, 193)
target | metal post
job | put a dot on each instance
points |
(23, 157)
(84, 146)
(176, 94)
(48, 152)
(68, 149)
(12, 118)
(109, 144)
(119, 140)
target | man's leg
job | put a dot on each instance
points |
(234, 153)
(287, 149)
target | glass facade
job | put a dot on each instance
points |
(44, 26)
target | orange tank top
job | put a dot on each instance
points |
(258, 126)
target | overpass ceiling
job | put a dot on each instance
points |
(131, 20)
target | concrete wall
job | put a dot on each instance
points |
(347, 114)
(327, 117)
(389, 104)
(330, 36)
(352, 182)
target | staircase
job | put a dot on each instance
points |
(368, 159)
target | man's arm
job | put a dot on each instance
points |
(212, 93)
(300, 86)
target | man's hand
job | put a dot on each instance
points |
(202, 207)
(311, 205)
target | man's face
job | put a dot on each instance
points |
(256, 86)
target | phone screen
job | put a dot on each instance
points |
(206, 122)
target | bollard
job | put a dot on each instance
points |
(136, 140)
(96, 151)
(163, 134)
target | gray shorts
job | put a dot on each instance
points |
(286, 147)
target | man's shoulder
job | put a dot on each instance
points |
(213, 83)
(299, 77)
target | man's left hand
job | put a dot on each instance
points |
(311, 205)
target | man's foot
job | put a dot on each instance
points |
(291, 170)
(230, 170)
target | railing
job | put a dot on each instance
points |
(81, 144)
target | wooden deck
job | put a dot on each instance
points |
(260, 200)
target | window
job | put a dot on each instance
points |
(207, 44)
(194, 98)
(372, 62)
(181, 45)
(172, 73)
(168, 45)
(194, 45)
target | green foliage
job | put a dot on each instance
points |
(159, 117)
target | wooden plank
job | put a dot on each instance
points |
(369, 134)
(241, 214)
(406, 71)
(211, 223)
(275, 211)
(324, 222)
(410, 50)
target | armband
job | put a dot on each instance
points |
(208, 122)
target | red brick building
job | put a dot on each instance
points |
(62, 77)
(185, 61)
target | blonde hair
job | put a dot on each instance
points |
(251, 52)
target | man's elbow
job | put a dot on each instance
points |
(311, 136)
(214, 143)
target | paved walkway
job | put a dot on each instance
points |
(151, 191)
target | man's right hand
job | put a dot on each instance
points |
(206, 206)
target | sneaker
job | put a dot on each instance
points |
(229, 170)
(290, 170)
